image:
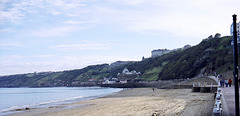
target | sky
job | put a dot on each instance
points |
(57, 35)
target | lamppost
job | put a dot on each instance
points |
(235, 60)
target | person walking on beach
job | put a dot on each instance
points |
(230, 82)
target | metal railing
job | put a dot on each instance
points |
(217, 110)
(202, 84)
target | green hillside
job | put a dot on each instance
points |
(213, 54)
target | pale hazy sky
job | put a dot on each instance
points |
(55, 35)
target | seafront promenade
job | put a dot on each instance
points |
(228, 99)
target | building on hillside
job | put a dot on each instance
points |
(123, 77)
(159, 52)
(110, 80)
(126, 74)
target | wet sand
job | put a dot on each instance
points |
(136, 102)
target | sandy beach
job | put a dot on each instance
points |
(135, 102)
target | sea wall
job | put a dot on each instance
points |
(155, 84)
(183, 86)
(130, 85)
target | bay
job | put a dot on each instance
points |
(18, 98)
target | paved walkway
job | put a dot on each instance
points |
(228, 99)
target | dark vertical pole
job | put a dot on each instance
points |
(235, 59)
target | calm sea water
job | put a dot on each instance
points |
(15, 98)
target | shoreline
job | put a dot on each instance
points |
(136, 101)
(58, 100)
(58, 105)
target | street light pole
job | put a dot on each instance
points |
(235, 60)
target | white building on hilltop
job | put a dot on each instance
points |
(159, 52)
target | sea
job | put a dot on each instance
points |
(21, 98)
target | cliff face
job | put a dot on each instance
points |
(213, 54)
